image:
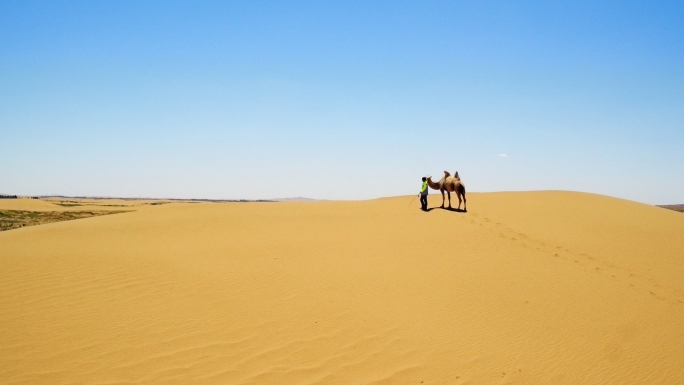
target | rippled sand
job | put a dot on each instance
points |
(525, 288)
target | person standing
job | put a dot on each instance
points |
(424, 194)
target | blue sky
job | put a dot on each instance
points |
(340, 100)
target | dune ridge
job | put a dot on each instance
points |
(525, 288)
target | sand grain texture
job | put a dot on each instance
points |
(525, 288)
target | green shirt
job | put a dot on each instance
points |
(424, 190)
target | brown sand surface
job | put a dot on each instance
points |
(525, 288)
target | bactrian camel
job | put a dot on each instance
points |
(449, 184)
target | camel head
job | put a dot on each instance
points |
(433, 185)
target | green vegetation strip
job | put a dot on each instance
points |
(14, 219)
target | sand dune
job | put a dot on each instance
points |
(29, 204)
(525, 288)
(72, 204)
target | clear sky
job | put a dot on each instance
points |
(340, 99)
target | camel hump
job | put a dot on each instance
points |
(446, 173)
(456, 175)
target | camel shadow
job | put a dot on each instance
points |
(447, 209)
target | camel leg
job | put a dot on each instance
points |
(449, 194)
(442, 191)
(464, 202)
(459, 200)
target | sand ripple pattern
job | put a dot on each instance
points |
(525, 288)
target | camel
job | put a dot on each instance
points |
(449, 184)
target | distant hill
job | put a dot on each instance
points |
(679, 208)
(295, 199)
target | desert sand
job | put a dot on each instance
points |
(71, 204)
(524, 288)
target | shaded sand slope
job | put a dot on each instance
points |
(526, 288)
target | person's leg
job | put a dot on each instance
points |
(423, 202)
